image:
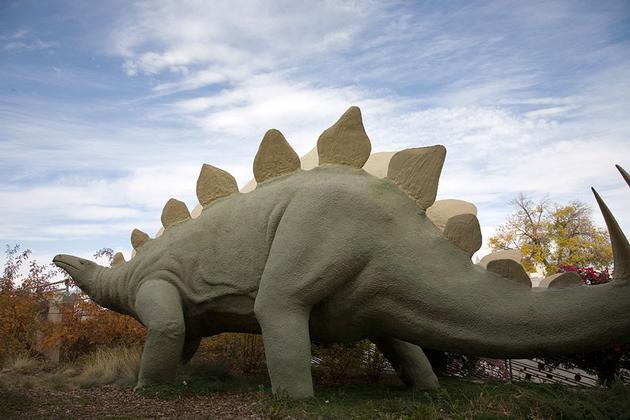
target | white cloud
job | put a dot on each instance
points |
(73, 208)
(230, 41)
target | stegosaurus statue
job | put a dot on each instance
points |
(334, 254)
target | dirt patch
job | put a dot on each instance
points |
(117, 402)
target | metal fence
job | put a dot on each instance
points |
(549, 371)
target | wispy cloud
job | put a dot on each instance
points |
(228, 39)
(21, 39)
(36, 44)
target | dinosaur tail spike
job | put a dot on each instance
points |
(138, 238)
(118, 259)
(275, 157)
(624, 174)
(464, 231)
(214, 183)
(619, 242)
(345, 142)
(417, 172)
(174, 212)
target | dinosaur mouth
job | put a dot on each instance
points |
(63, 262)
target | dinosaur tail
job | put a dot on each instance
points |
(476, 311)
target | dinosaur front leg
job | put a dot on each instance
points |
(285, 333)
(158, 306)
(410, 363)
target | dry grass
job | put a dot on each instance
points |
(118, 365)
(24, 371)
(22, 363)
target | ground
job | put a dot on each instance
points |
(205, 392)
(116, 402)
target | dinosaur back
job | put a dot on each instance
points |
(415, 171)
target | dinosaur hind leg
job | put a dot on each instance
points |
(297, 276)
(307, 263)
(285, 331)
(410, 363)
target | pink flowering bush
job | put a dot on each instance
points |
(589, 275)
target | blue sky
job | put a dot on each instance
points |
(107, 109)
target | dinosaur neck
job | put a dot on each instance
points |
(473, 311)
(110, 289)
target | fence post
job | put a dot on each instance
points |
(55, 316)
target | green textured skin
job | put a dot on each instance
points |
(336, 255)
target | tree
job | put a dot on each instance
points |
(550, 235)
(22, 301)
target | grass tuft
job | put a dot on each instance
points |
(117, 365)
(23, 363)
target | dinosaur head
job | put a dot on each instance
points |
(83, 272)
